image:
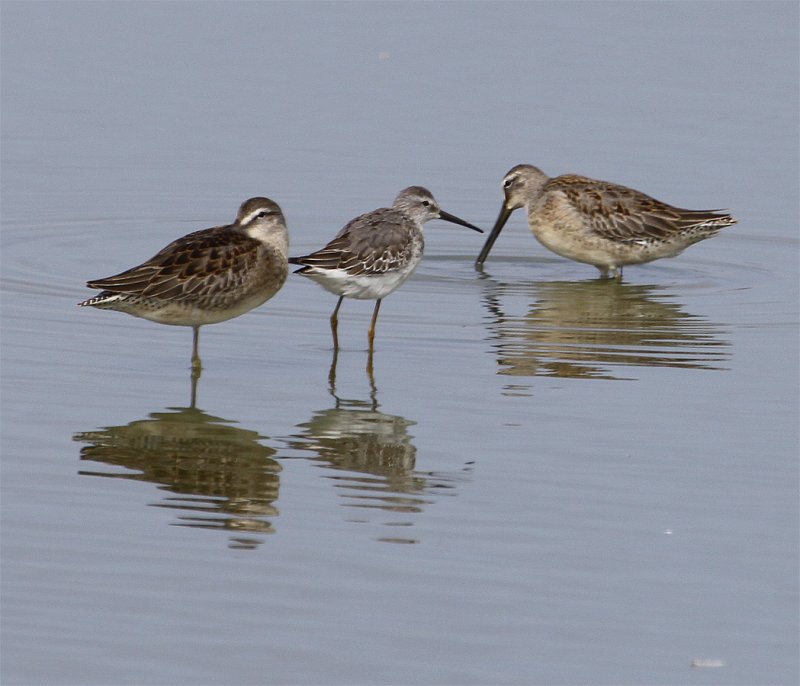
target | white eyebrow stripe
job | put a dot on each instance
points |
(250, 217)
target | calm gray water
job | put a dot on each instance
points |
(548, 479)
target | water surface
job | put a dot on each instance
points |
(546, 478)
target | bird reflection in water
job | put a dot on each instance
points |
(596, 330)
(222, 476)
(373, 459)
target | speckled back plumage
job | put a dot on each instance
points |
(619, 213)
(210, 275)
(208, 269)
(374, 243)
(598, 222)
(375, 253)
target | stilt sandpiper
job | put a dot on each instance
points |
(375, 253)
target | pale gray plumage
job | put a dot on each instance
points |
(375, 253)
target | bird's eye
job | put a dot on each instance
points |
(426, 203)
(507, 183)
(262, 214)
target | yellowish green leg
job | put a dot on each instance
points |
(371, 334)
(335, 323)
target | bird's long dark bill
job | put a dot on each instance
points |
(502, 218)
(455, 220)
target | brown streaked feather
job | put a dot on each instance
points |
(618, 213)
(189, 266)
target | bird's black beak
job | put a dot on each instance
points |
(502, 218)
(455, 220)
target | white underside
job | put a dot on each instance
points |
(372, 287)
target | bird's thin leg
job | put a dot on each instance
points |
(332, 372)
(371, 336)
(193, 398)
(374, 321)
(371, 376)
(196, 364)
(335, 323)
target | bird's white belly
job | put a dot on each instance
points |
(363, 286)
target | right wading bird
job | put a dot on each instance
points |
(598, 222)
(375, 253)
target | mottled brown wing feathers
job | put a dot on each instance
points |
(188, 266)
(619, 213)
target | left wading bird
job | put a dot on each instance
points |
(207, 276)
